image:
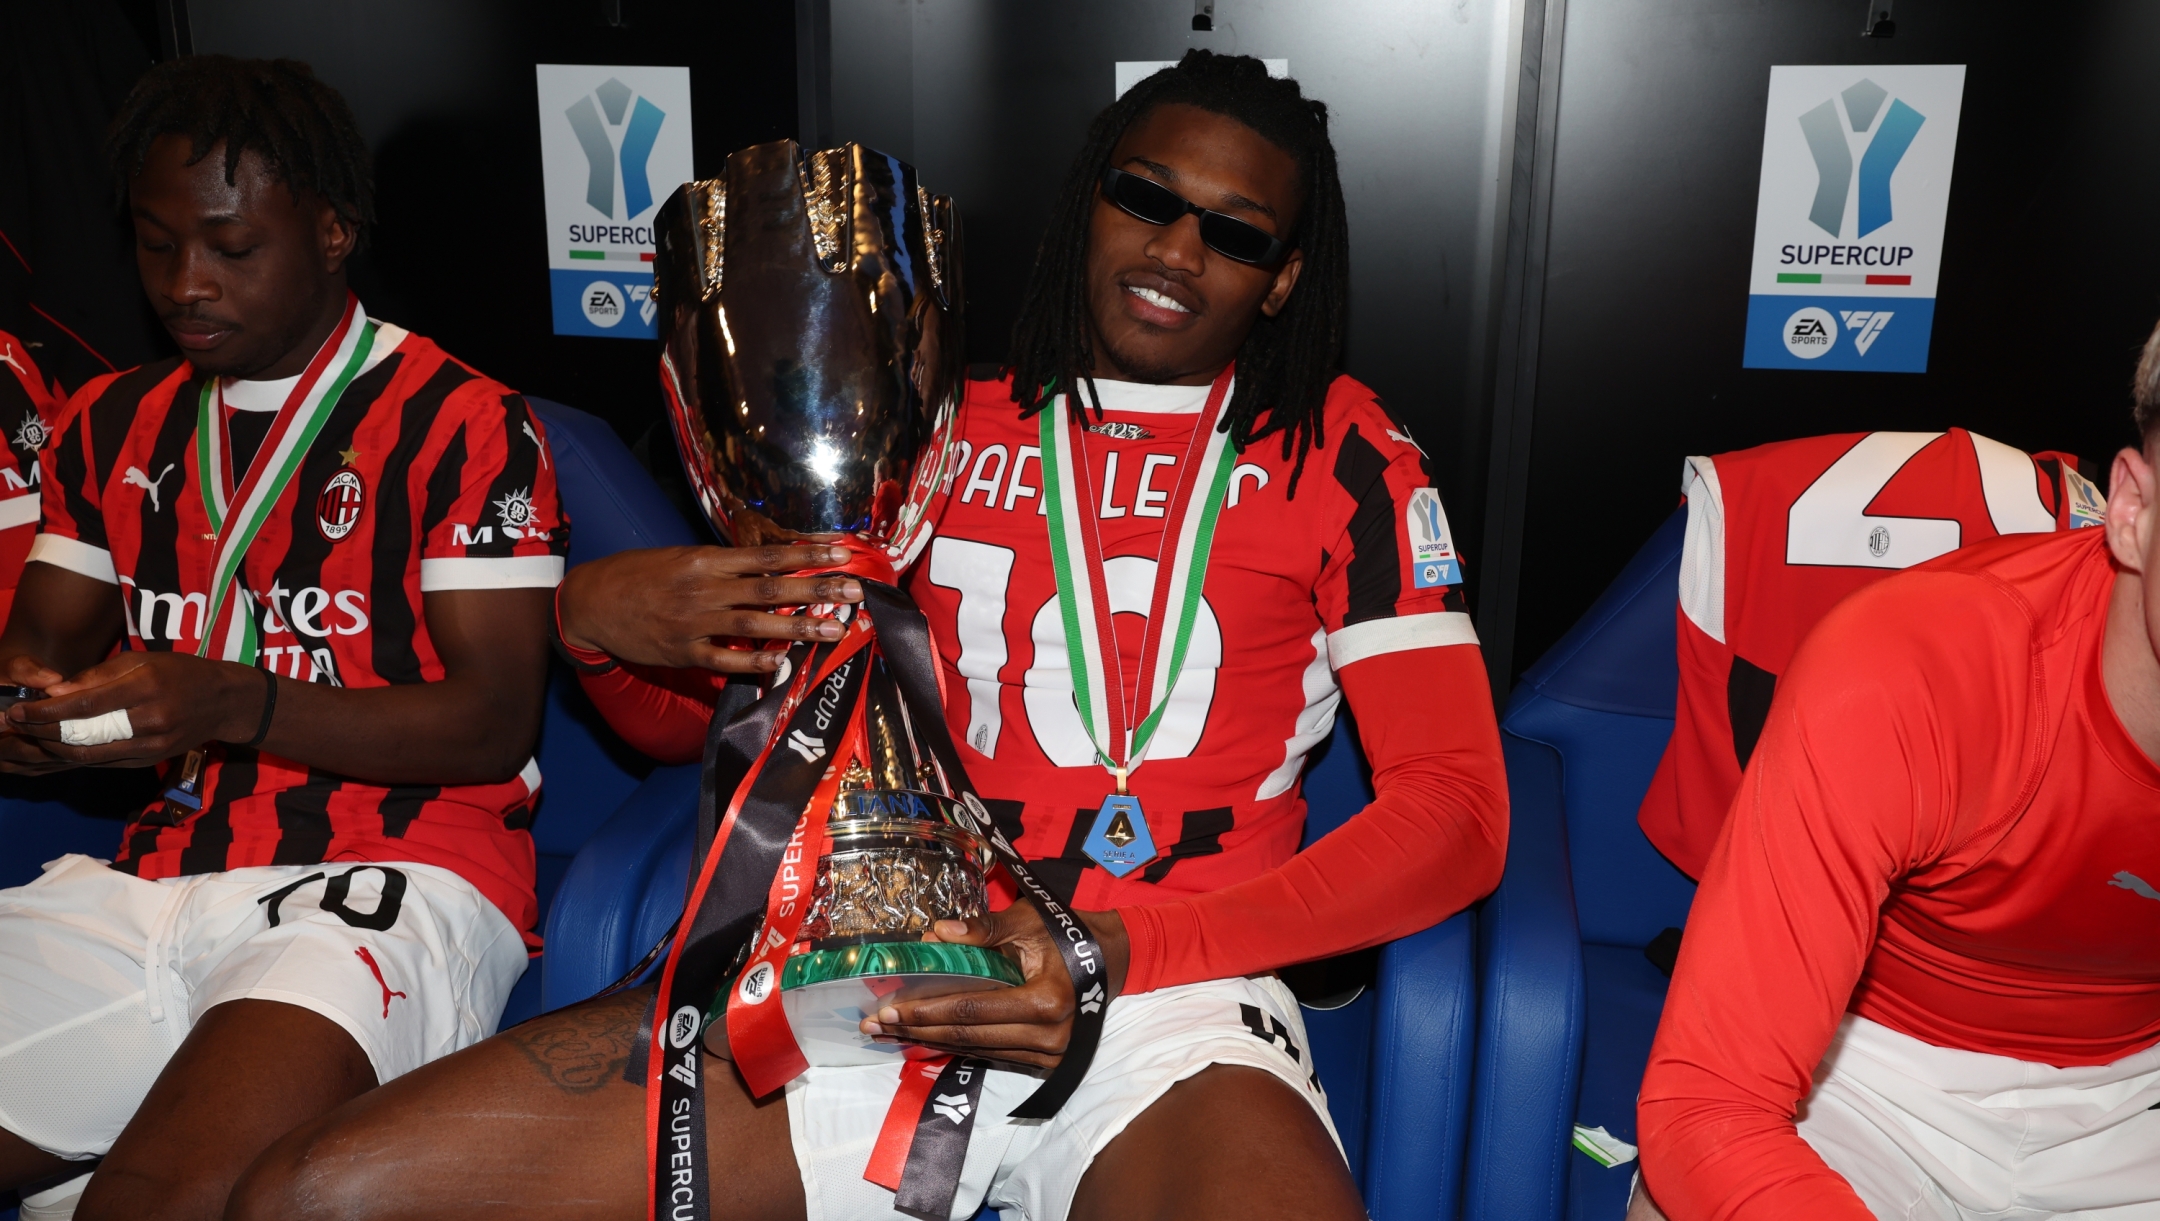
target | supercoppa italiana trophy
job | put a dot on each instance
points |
(812, 360)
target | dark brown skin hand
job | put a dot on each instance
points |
(672, 606)
(476, 726)
(1216, 162)
(1028, 1025)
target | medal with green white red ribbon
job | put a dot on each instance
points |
(1119, 839)
(237, 513)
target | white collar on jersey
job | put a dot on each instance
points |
(1151, 399)
(241, 394)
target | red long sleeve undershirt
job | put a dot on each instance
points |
(1432, 841)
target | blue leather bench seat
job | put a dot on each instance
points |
(1569, 1002)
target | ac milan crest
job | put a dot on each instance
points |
(337, 510)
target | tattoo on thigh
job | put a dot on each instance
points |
(580, 1050)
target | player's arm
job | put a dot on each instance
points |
(474, 726)
(1895, 728)
(1433, 840)
(647, 629)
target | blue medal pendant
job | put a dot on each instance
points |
(1119, 841)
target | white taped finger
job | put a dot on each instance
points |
(97, 730)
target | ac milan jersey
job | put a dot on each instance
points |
(1776, 536)
(1357, 564)
(426, 477)
(28, 412)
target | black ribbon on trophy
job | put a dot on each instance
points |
(836, 820)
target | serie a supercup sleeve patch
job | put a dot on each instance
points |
(1432, 558)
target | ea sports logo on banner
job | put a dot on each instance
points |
(1810, 332)
(682, 1027)
(757, 984)
(337, 510)
(603, 303)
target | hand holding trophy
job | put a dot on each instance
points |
(810, 314)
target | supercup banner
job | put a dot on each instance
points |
(1849, 216)
(614, 144)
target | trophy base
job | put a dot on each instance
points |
(827, 993)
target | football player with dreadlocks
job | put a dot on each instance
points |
(1188, 300)
(261, 568)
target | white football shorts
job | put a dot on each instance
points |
(1927, 1133)
(102, 974)
(1030, 1169)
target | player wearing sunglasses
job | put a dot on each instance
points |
(1172, 381)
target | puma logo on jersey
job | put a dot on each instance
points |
(1405, 439)
(7, 357)
(2135, 885)
(953, 1106)
(811, 749)
(134, 478)
(387, 991)
(535, 438)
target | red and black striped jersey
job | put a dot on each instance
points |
(1779, 534)
(28, 411)
(1358, 564)
(427, 476)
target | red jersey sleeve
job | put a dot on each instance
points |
(660, 712)
(493, 519)
(1393, 577)
(1899, 730)
(73, 467)
(28, 411)
(1433, 840)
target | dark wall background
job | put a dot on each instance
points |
(2050, 274)
(444, 93)
(1619, 172)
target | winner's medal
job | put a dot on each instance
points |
(1119, 839)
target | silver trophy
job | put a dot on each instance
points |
(810, 312)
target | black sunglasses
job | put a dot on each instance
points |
(1157, 204)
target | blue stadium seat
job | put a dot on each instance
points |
(1396, 1060)
(586, 772)
(1568, 1002)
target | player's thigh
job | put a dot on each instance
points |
(22, 1163)
(537, 1121)
(1227, 1142)
(218, 1103)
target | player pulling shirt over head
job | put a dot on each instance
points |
(1329, 574)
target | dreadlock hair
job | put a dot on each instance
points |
(1286, 363)
(300, 127)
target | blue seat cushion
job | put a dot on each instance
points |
(1624, 996)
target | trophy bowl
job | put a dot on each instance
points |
(810, 315)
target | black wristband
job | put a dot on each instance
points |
(262, 729)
